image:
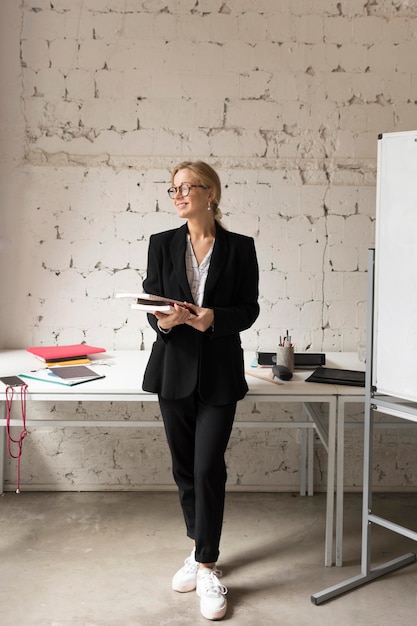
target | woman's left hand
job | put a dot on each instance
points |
(203, 318)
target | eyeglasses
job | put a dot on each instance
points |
(184, 190)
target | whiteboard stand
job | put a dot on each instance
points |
(392, 406)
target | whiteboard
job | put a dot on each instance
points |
(395, 287)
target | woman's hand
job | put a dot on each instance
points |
(202, 318)
(190, 314)
(180, 315)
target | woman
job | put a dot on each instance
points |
(196, 364)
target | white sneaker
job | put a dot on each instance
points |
(211, 592)
(186, 577)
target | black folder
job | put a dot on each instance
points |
(335, 376)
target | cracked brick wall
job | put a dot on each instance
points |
(100, 98)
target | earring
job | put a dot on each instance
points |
(209, 207)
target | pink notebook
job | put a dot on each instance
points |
(58, 353)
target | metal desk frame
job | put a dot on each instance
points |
(122, 383)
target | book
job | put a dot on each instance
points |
(336, 376)
(53, 354)
(150, 303)
(63, 375)
(72, 361)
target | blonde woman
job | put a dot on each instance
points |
(196, 364)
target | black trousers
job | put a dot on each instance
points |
(197, 436)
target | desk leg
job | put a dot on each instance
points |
(310, 456)
(340, 479)
(328, 438)
(303, 461)
(307, 454)
(2, 450)
(331, 459)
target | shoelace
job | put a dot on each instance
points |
(212, 587)
(190, 564)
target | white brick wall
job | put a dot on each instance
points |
(285, 99)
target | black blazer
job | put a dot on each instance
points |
(185, 358)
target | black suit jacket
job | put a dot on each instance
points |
(186, 359)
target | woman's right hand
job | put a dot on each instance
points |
(179, 315)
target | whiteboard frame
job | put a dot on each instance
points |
(395, 331)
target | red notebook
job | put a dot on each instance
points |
(58, 353)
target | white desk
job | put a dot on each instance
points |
(123, 378)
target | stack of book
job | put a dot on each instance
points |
(150, 303)
(77, 354)
(68, 375)
(64, 365)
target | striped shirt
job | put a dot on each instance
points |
(197, 274)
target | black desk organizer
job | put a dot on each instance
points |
(302, 360)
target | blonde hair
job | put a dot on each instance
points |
(206, 176)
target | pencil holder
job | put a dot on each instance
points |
(285, 356)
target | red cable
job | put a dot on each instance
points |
(23, 432)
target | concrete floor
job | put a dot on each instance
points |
(106, 559)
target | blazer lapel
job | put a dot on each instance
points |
(217, 262)
(178, 247)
